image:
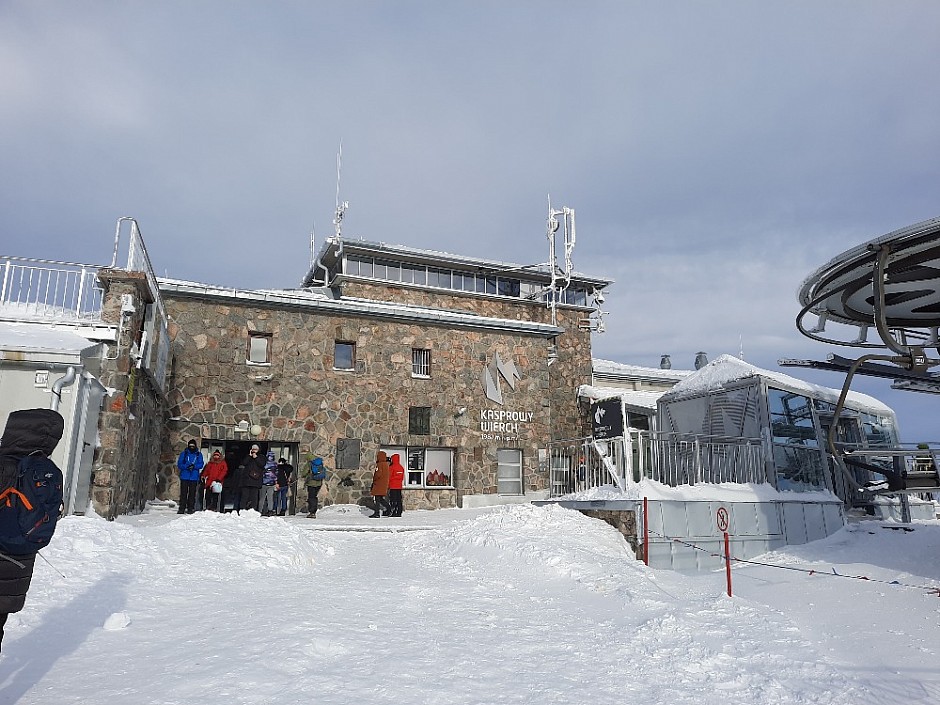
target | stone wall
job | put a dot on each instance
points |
(131, 422)
(570, 368)
(299, 398)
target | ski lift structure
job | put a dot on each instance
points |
(882, 297)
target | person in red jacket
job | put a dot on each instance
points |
(396, 478)
(215, 471)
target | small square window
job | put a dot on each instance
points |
(259, 349)
(344, 356)
(420, 362)
(419, 420)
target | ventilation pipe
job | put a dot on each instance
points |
(57, 387)
(701, 359)
(665, 363)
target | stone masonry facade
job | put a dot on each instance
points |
(300, 399)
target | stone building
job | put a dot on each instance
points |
(460, 365)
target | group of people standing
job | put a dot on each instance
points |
(264, 485)
(259, 483)
(387, 481)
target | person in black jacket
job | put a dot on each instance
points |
(251, 474)
(27, 432)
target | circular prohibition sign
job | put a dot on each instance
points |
(722, 518)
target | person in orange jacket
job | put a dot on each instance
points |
(379, 486)
(396, 478)
(215, 471)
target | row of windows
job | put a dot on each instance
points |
(344, 355)
(457, 280)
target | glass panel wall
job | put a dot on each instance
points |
(797, 459)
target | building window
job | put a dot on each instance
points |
(259, 349)
(419, 420)
(425, 467)
(420, 362)
(509, 471)
(344, 356)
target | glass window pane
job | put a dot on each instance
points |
(415, 467)
(509, 471)
(388, 270)
(419, 420)
(439, 277)
(420, 274)
(365, 267)
(508, 287)
(344, 357)
(352, 266)
(799, 469)
(438, 467)
(258, 348)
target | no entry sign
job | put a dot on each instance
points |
(722, 518)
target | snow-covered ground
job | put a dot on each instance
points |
(515, 604)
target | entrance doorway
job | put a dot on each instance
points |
(234, 453)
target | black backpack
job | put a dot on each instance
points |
(30, 503)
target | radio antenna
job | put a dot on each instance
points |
(341, 206)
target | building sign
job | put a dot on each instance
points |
(491, 385)
(501, 424)
(607, 418)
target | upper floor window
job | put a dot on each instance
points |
(470, 281)
(419, 420)
(259, 348)
(344, 356)
(420, 362)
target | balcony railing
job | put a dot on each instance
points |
(583, 464)
(44, 290)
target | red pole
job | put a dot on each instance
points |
(728, 563)
(646, 532)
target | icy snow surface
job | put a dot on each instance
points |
(515, 604)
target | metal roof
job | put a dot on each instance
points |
(324, 302)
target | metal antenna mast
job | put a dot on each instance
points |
(340, 206)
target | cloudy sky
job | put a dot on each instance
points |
(715, 152)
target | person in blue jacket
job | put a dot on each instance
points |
(190, 465)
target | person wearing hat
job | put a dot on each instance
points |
(189, 465)
(251, 476)
(379, 486)
(213, 475)
(285, 477)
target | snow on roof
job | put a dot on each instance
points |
(726, 369)
(641, 399)
(616, 368)
(33, 337)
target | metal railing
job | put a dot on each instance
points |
(45, 290)
(672, 459)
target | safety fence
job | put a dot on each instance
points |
(672, 459)
(45, 290)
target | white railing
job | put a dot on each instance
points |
(45, 290)
(577, 465)
(674, 459)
